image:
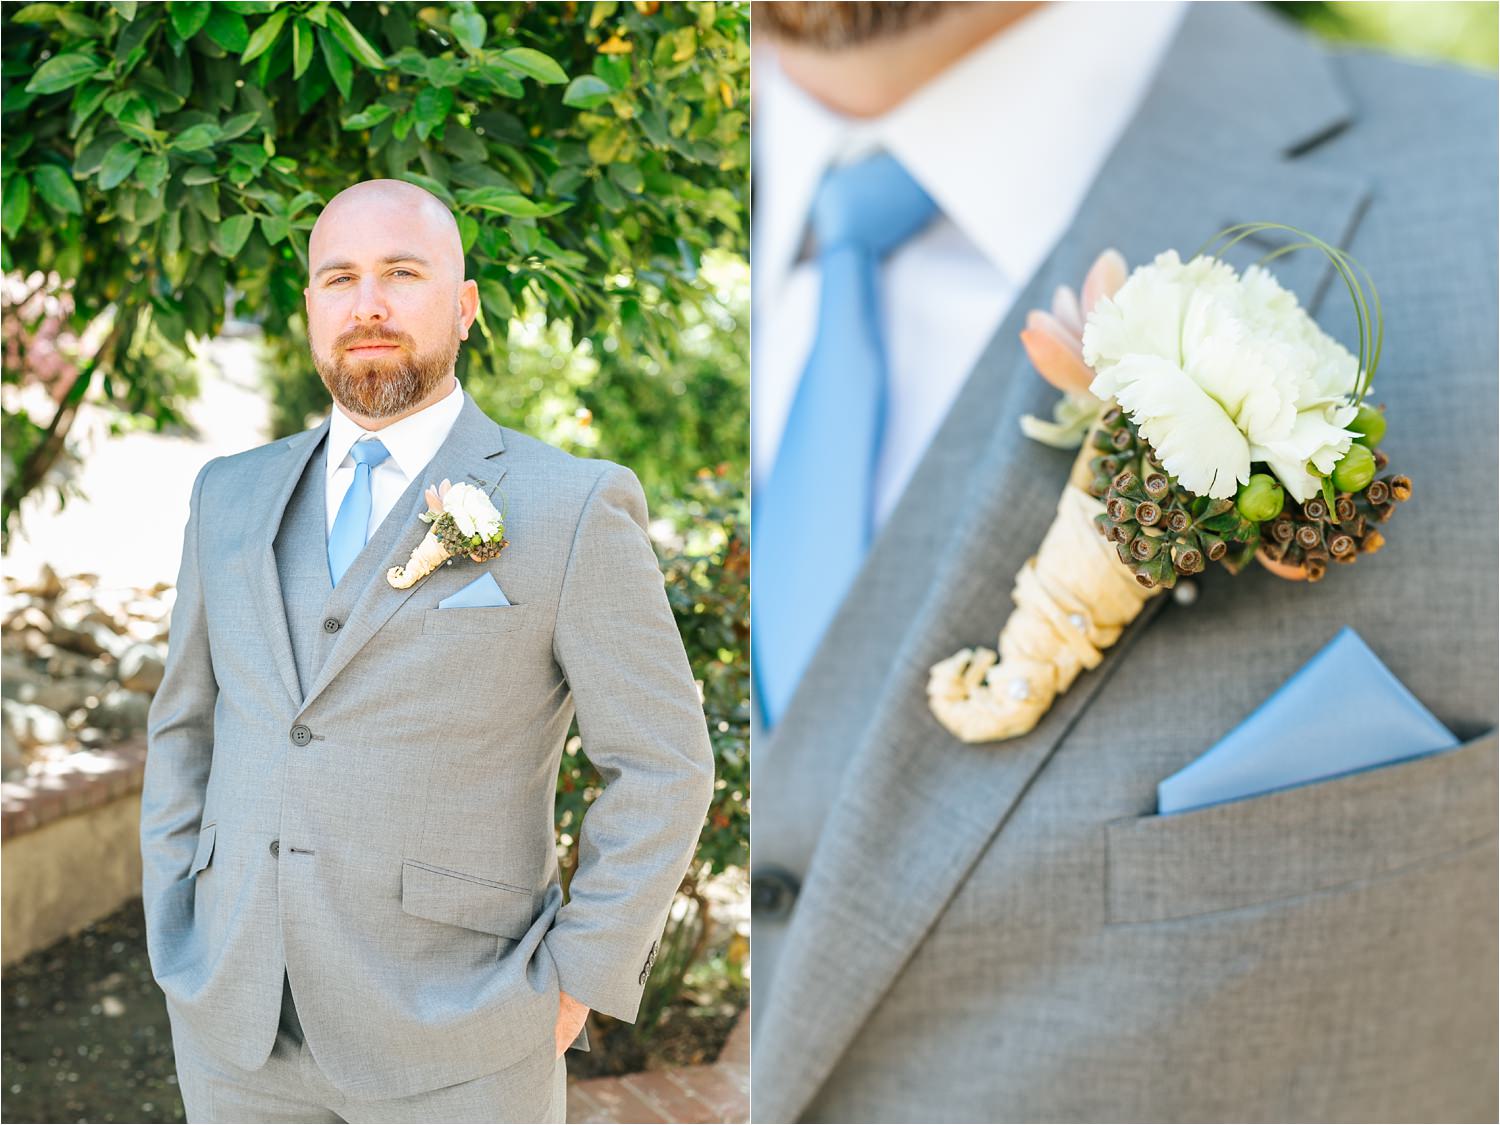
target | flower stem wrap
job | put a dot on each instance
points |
(429, 555)
(1073, 600)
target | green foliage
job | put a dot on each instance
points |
(159, 155)
(1465, 32)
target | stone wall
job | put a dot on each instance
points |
(71, 851)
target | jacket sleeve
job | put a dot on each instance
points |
(642, 726)
(179, 750)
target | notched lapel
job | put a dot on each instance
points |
(266, 511)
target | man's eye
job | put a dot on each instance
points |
(336, 280)
(405, 271)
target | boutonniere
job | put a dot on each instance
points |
(464, 522)
(1218, 424)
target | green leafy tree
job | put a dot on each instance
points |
(161, 156)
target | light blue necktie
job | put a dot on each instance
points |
(352, 523)
(814, 519)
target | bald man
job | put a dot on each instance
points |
(351, 885)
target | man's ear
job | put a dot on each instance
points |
(468, 304)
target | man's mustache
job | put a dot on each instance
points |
(355, 339)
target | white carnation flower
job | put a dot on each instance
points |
(1219, 370)
(472, 511)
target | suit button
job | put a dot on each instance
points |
(331, 625)
(772, 892)
(275, 847)
(301, 735)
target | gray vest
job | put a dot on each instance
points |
(315, 610)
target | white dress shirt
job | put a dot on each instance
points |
(411, 442)
(1007, 141)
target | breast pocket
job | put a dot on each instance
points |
(476, 619)
(1298, 841)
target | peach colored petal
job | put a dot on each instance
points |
(1066, 309)
(1281, 569)
(1039, 321)
(434, 501)
(1104, 278)
(1056, 361)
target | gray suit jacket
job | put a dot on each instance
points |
(357, 786)
(1008, 932)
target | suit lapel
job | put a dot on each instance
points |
(915, 808)
(465, 456)
(266, 510)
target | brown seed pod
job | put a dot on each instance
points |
(1344, 508)
(1147, 513)
(1308, 537)
(1315, 509)
(1377, 492)
(1188, 561)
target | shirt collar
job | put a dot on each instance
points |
(1006, 141)
(412, 441)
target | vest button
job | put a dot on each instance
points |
(331, 625)
(301, 735)
(275, 847)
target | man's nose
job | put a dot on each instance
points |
(370, 306)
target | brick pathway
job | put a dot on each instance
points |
(717, 1093)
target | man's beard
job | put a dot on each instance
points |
(832, 26)
(383, 385)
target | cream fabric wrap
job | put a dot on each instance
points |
(1073, 599)
(427, 557)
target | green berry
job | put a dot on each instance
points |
(1356, 470)
(1368, 426)
(1260, 498)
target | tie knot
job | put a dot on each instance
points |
(875, 205)
(369, 453)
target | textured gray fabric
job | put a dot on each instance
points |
(402, 760)
(291, 1088)
(1006, 932)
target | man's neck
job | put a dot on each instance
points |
(443, 391)
(873, 78)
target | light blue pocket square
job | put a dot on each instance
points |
(484, 590)
(1341, 713)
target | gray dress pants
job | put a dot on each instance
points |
(291, 1087)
